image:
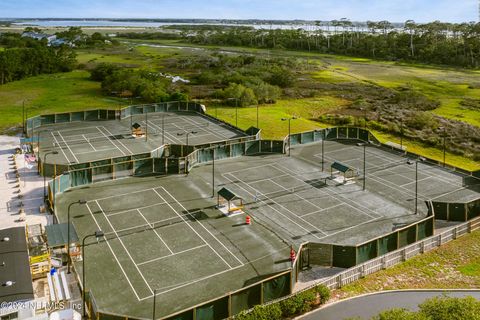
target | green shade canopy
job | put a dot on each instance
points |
(57, 235)
(227, 194)
(341, 167)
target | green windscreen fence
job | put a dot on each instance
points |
(407, 236)
(222, 152)
(366, 252)
(62, 117)
(238, 149)
(217, 310)
(48, 119)
(363, 134)
(342, 133)
(143, 167)
(344, 257)
(307, 137)
(331, 133)
(183, 316)
(252, 147)
(387, 244)
(425, 229)
(91, 115)
(246, 299)
(276, 288)
(473, 209)
(457, 212)
(352, 133)
(441, 210)
(102, 170)
(122, 167)
(294, 139)
(77, 116)
(318, 135)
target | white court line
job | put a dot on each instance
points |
(190, 214)
(101, 150)
(124, 211)
(218, 132)
(111, 134)
(263, 201)
(122, 194)
(171, 255)
(280, 205)
(79, 129)
(89, 142)
(453, 191)
(187, 283)
(167, 134)
(337, 196)
(146, 225)
(60, 147)
(123, 245)
(68, 146)
(324, 209)
(186, 222)
(151, 227)
(113, 144)
(113, 253)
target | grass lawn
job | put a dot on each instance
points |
(270, 115)
(49, 94)
(454, 265)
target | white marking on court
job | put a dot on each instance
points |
(109, 140)
(101, 150)
(273, 208)
(171, 255)
(324, 209)
(68, 146)
(151, 227)
(145, 207)
(122, 194)
(190, 214)
(113, 253)
(167, 134)
(124, 247)
(89, 142)
(60, 147)
(111, 134)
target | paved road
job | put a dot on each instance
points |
(368, 306)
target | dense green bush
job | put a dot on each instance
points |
(267, 312)
(437, 308)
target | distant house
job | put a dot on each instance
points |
(40, 36)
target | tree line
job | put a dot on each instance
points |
(24, 57)
(435, 42)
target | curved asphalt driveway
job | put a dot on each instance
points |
(371, 305)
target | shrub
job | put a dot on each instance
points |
(422, 120)
(300, 303)
(267, 312)
(447, 308)
(399, 314)
(324, 293)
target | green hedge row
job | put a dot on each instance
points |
(299, 303)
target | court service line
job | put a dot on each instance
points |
(68, 146)
(324, 209)
(183, 218)
(124, 211)
(151, 227)
(111, 134)
(167, 134)
(114, 255)
(280, 205)
(187, 283)
(346, 200)
(171, 255)
(109, 140)
(217, 131)
(87, 152)
(89, 142)
(264, 202)
(201, 224)
(122, 194)
(123, 245)
(60, 147)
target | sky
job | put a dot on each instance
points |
(355, 10)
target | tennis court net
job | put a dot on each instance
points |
(145, 227)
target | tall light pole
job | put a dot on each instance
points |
(154, 303)
(364, 144)
(257, 116)
(44, 174)
(401, 132)
(186, 134)
(323, 150)
(236, 110)
(24, 120)
(410, 162)
(289, 130)
(213, 171)
(68, 232)
(97, 234)
(444, 145)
